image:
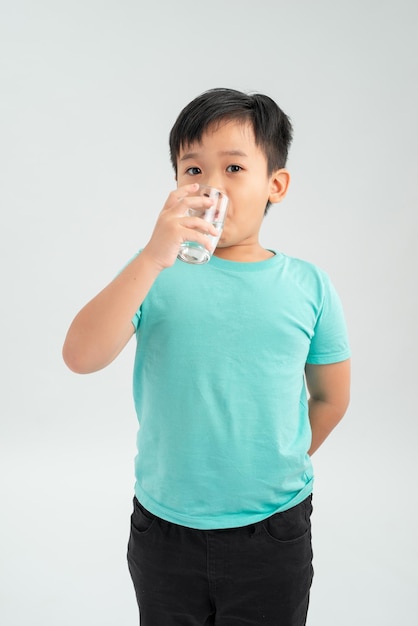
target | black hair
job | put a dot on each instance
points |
(272, 128)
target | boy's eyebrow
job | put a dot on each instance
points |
(233, 153)
(195, 155)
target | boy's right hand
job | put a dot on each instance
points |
(174, 227)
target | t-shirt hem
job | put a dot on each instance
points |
(218, 522)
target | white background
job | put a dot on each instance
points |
(89, 92)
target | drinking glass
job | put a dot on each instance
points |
(193, 252)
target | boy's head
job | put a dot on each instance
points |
(272, 128)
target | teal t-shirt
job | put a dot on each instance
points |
(219, 387)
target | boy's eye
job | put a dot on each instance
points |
(234, 168)
(193, 171)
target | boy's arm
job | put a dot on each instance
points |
(329, 390)
(103, 327)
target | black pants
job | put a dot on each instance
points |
(257, 574)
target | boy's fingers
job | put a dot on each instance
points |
(177, 196)
(198, 225)
(185, 190)
(181, 205)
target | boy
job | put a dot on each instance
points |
(220, 532)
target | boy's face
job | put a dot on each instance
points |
(229, 159)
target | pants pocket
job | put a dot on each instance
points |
(290, 526)
(141, 519)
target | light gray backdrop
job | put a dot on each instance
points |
(89, 91)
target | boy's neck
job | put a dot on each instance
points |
(243, 254)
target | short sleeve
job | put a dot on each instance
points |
(329, 343)
(136, 318)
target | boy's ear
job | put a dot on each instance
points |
(279, 184)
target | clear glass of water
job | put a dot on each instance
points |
(193, 252)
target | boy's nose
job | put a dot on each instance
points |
(214, 186)
(215, 193)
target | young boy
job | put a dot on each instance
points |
(220, 532)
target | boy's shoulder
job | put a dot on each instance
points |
(304, 267)
(309, 277)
